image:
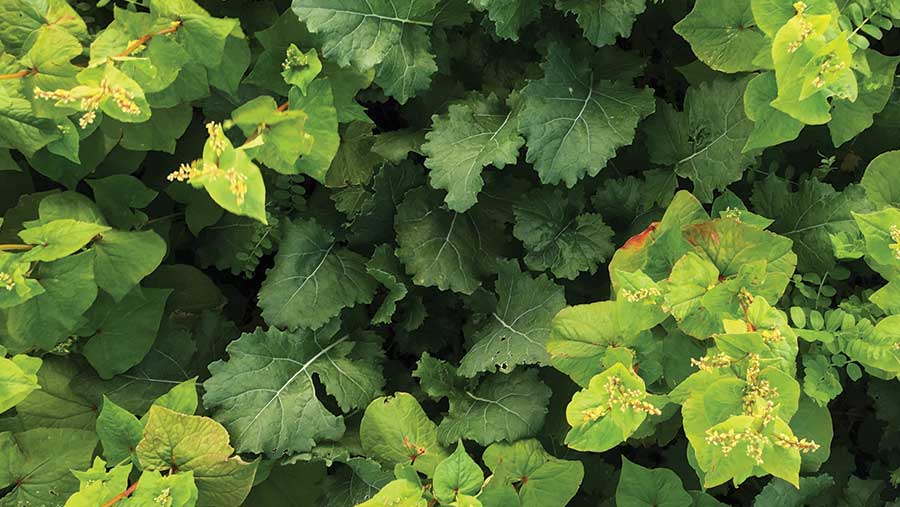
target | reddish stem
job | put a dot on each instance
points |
(15, 248)
(121, 496)
(146, 38)
(18, 75)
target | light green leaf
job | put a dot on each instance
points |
(478, 132)
(541, 480)
(398, 493)
(300, 68)
(264, 393)
(849, 118)
(175, 490)
(18, 378)
(97, 485)
(882, 180)
(119, 431)
(770, 126)
(396, 430)
(457, 475)
(59, 238)
(313, 279)
(15, 285)
(187, 443)
(279, 136)
(574, 122)
(644, 487)
(321, 124)
(599, 415)
(516, 332)
(723, 35)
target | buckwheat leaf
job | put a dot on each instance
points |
(56, 404)
(703, 142)
(478, 132)
(119, 431)
(392, 36)
(58, 239)
(558, 238)
(509, 16)
(43, 465)
(18, 378)
(849, 118)
(516, 332)
(120, 333)
(604, 20)
(574, 121)
(400, 492)
(644, 487)
(49, 318)
(770, 126)
(313, 279)
(503, 407)
(442, 248)
(188, 443)
(457, 475)
(321, 124)
(265, 394)
(395, 430)
(723, 36)
(541, 480)
(882, 180)
(179, 490)
(123, 259)
(20, 18)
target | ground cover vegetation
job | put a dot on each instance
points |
(471, 253)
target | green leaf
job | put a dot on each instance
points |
(782, 493)
(227, 163)
(392, 37)
(457, 475)
(478, 132)
(723, 36)
(509, 16)
(702, 142)
(770, 126)
(849, 118)
(18, 378)
(516, 332)
(49, 318)
(881, 180)
(399, 493)
(176, 490)
(22, 17)
(119, 431)
(640, 487)
(120, 333)
(119, 195)
(541, 480)
(821, 381)
(599, 415)
(273, 408)
(41, 470)
(771, 15)
(574, 122)
(59, 238)
(385, 268)
(442, 248)
(396, 430)
(353, 164)
(604, 20)
(56, 404)
(278, 136)
(301, 68)
(503, 407)
(123, 259)
(313, 279)
(558, 238)
(187, 443)
(882, 245)
(809, 216)
(21, 130)
(322, 125)
(15, 285)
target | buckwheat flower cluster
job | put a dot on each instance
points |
(621, 398)
(198, 170)
(90, 98)
(806, 28)
(771, 335)
(709, 363)
(640, 294)
(728, 440)
(895, 237)
(792, 442)
(759, 395)
(6, 281)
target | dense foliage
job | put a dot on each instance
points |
(495, 253)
